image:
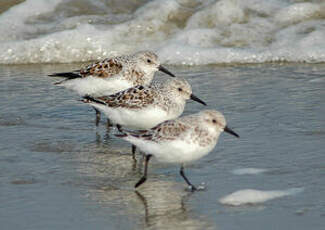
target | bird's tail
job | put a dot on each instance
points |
(89, 99)
(66, 75)
(121, 135)
(132, 133)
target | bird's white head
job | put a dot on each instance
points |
(179, 89)
(148, 62)
(215, 121)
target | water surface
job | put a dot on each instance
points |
(59, 171)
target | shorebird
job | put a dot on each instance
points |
(181, 140)
(112, 75)
(143, 107)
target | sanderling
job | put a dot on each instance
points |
(112, 75)
(182, 140)
(143, 107)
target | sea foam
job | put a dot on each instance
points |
(181, 32)
(252, 196)
(248, 171)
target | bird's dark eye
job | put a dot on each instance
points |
(180, 89)
(214, 121)
(148, 60)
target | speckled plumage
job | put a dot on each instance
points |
(124, 66)
(114, 74)
(105, 68)
(143, 107)
(182, 140)
(133, 98)
(193, 129)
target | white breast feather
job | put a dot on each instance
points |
(95, 86)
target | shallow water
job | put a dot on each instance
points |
(59, 171)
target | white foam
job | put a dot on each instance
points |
(13, 22)
(248, 171)
(222, 12)
(252, 196)
(226, 31)
(299, 12)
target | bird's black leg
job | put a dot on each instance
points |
(109, 123)
(134, 148)
(192, 187)
(97, 116)
(144, 177)
(119, 128)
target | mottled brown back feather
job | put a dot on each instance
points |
(133, 98)
(103, 69)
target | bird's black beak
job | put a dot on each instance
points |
(163, 69)
(230, 131)
(195, 98)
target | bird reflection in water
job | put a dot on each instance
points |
(165, 207)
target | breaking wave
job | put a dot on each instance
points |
(183, 32)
